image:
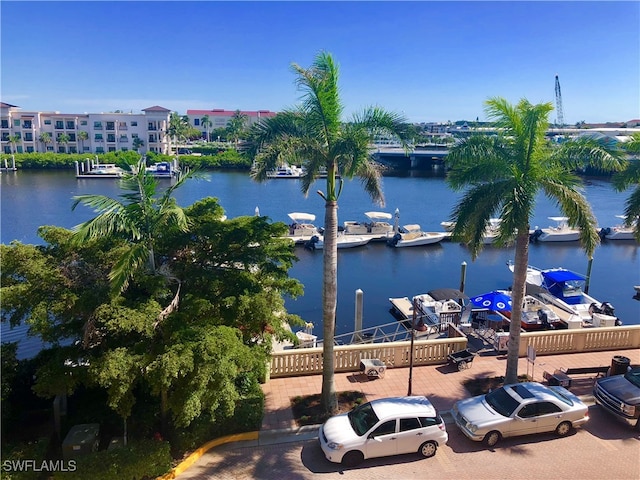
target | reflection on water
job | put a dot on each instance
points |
(30, 199)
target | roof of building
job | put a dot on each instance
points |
(7, 105)
(156, 108)
(230, 113)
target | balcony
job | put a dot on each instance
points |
(123, 140)
(59, 126)
(27, 125)
(97, 126)
(111, 126)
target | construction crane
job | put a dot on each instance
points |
(560, 118)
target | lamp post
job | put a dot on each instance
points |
(397, 220)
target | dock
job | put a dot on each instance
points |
(403, 307)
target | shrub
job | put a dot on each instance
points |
(35, 451)
(138, 460)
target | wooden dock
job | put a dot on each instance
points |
(403, 307)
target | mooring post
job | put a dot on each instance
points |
(463, 275)
(358, 318)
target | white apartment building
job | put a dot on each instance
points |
(103, 132)
(221, 118)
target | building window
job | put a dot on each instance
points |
(111, 137)
(97, 125)
(47, 122)
(16, 123)
(7, 149)
(134, 135)
(28, 137)
(123, 138)
(196, 122)
(152, 138)
(71, 125)
(111, 125)
(122, 125)
(85, 148)
(99, 150)
(112, 149)
(72, 149)
(124, 149)
(49, 148)
(83, 122)
(5, 136)
(27, 124)
(72, 137)
(29, 149)
(98, 137)
(59, 124)
(134, 124)
(152, 126)
(61, 149)
(4, 124)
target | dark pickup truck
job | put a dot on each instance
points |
(620, 395)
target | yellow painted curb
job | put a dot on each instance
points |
(191, 459)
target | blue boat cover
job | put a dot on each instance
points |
(561, 275)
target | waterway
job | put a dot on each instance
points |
(30, 199)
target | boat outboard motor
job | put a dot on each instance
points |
(393, 241)
(535, 235)
(544, 319)
(311, 243)
(608, 309)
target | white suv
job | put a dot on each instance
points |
(386, 426)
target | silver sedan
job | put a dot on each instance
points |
(519, 409)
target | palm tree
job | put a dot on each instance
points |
(45, 138)
(82, 136)
(63, 139)
(14, 140)
(502, 176)
(237, 125)
(315, 136)
(177, 129)
(207, 124)
(138, 143)
(631, 176)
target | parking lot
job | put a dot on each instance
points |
(603, 449)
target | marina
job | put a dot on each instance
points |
(30, 199)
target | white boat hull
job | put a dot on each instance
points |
(344, 241)
(620, 234)
(550, 235)
(424, 239)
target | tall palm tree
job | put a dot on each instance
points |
(177, 129)
(315, 136)
(45, 138)
(14, 139)
(140, 218)
(237, 125)
(502, 176)
(82, 136)
(63, 139)
(137, 144)
(631, 176)
(207, 124)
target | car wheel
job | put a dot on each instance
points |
(428, 449)
(491, 438)
(352, 458)
(563, 429)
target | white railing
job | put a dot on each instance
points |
(308, 361)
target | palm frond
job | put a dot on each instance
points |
(601, 153)
(126, 266)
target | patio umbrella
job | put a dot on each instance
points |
(495, 300)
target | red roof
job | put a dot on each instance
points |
(230, 113)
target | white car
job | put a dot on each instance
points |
(386, 426)
(519, 409)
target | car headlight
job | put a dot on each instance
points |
(334, 445)
(628, 409)
(472, 427)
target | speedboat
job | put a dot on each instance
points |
(286, 171)
(413, 236)
(560, 233)
(490, 234)
(161, 170)
(537, 315)
(316, 242)
(565, 289)
(301, 230)
(433, 309)
(377, 227)
(619, 232)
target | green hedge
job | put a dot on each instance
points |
(137, 461)
(35, 451)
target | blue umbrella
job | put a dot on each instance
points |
(493, 301)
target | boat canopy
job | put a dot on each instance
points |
(302, 217)
(447, 294)
(378, 215)
(559, 219)
(414, 227)
(561, 275)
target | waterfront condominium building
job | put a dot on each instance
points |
(221, 118)
(83, 132)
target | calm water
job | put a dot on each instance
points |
(31, 199)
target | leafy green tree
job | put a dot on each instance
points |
(63, 139)
(501, 177)
(315, 136)
(631, 177)
(207, 124)
(45, 138)
(177, 130)
(138, 143)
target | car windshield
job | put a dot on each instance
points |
(501, 402)
(362, 419)
(633, 376)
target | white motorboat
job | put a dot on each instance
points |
(618, 232)
(413, 236)
(376, 228)
(162, 170)
(448, 226)
(562, 232)
(491, 232)
(286, 171)
(301, 230)
(316, 242)
(536, 315)
(565, 289)
(433, 309)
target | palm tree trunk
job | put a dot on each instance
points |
(517, 295)
(329, 398)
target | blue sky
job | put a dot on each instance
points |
(431, 61)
